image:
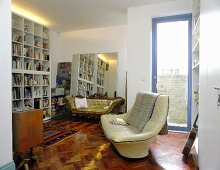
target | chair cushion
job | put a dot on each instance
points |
(142, 110)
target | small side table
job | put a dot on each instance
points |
(27, 133)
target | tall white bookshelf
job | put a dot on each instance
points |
(100, 75)
(88, 72)
(195, 61)
(30, 65)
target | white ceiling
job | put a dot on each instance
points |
(68, 15)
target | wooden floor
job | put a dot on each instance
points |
(89, 149)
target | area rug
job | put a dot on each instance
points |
(55, 133)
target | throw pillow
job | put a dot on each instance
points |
(81, 103)
(118, 121)
(142, 110)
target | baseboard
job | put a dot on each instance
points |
(8, 166)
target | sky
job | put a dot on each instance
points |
(172, 46)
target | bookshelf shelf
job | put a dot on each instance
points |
(26, 32)
(28, 45)
(18, 29)
(30, 65)
(17, 99)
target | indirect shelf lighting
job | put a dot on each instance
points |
(29, 15)
(101, 56)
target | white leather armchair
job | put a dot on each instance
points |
(127, 140)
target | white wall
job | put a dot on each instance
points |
(100, 40)
(139, 29)
(209, 115)
(55, 56)
(5, 89)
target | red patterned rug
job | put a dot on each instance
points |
(54, 133)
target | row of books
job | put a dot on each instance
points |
(89, 59)
(86, 76)
(101, 69)
(45, 102)
(100, 82)
(86, 68)
(28, 52)
(27, 92)
(90, 63)
(46, 81)
(17, 49)
(100, 90)
(16, 93)
(101, 63)
(84, 92)
(16, 104)
(37, 93)
(28, 79)
(16, 79)
(100, 75)
(85, 86)
(28, 66)
(16, 63)
(16, 38)
(40, 103)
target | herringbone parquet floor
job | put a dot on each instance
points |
(90, 150)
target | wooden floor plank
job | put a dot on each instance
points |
(89, 149)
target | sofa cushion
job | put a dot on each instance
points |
(81, 103)
(142, 110)
(97, 103)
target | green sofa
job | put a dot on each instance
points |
(96, 107)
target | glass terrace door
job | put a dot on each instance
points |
(171, 72)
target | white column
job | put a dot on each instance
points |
(5, 87)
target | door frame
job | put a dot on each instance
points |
(155, 21)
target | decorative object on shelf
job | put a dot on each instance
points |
(64, 69)
(64, 76)
(63, 83)
(58, 106)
